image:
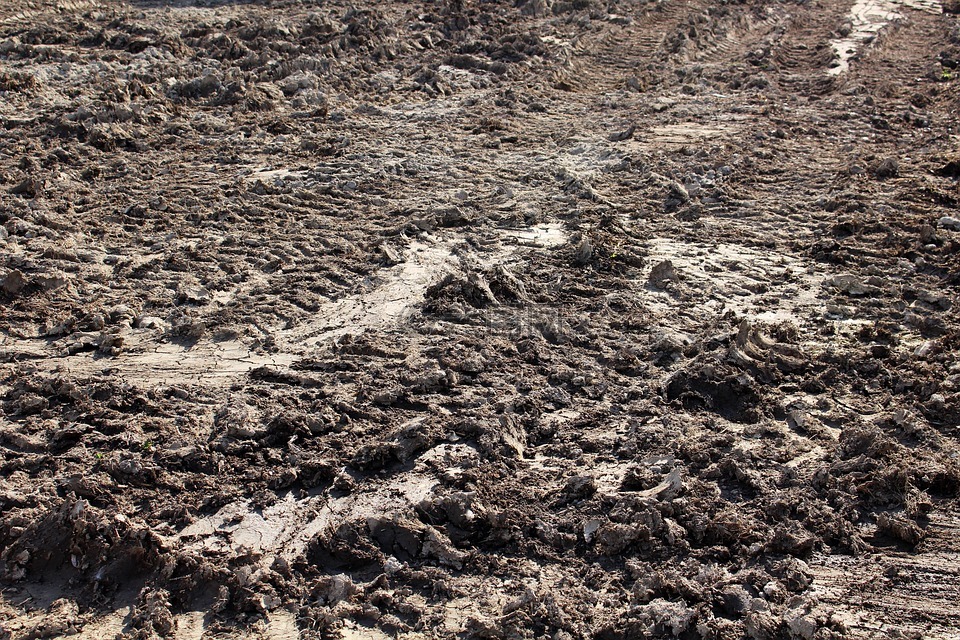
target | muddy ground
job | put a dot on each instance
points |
(479, 319)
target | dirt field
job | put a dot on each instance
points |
(480, 319)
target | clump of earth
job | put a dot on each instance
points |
(463, 319)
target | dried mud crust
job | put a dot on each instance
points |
(479, 319)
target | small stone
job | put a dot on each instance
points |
(949, 222)
(590, 528)
(391, 566)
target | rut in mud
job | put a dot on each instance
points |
(469, 319)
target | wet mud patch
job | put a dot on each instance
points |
(763, 284)
(734, 398)
(146, 358)
(866, 20)
(477, 320)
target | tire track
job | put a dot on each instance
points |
(27, 13)
(606, 62)
(384, 307)
(909, 592)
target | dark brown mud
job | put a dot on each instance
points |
(476, 319)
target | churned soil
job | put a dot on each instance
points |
(479, 319)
